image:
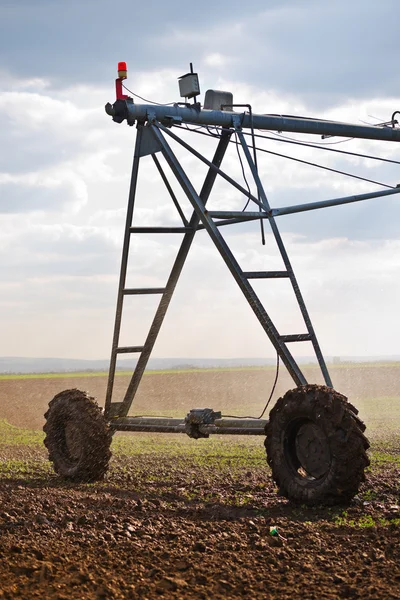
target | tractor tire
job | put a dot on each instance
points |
(78, 437)
(316, 446)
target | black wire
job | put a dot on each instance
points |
(311, 164)
(237, 416)
(273, 387)
(269, 399)
(144, 99)
(288, 140)
(243, 173)
(217, 135)
(317, 144)
(253, 139)
(195, 128)
(209, 134)
(298, 117)
(318, 166)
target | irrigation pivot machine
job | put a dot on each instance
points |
(314, 441)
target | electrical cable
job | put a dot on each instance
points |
(269, 399)
(311, 164)
(318, 166)
(149, 101)
(297, 117)
(317, 144)
(300, 143)
(195, 128)
(217, 135)
(253, 139)
(318, 147)
(243, 173)
(273, 387)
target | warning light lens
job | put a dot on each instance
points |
(122, 70)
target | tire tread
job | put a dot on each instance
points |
(347, 442)
(75, 404)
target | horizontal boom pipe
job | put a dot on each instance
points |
(175, 115)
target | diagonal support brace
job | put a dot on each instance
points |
(229, 259)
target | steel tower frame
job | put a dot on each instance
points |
(154, 127)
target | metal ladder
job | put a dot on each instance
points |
(149, 141)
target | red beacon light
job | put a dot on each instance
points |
(122, 74)
(122, 70)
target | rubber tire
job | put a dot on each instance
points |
(346, 444)
(75, 408)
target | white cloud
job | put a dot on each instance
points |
(65, 176)
(216, 60)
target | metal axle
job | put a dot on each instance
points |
(166, 425)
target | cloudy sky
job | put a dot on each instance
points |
(65, 168)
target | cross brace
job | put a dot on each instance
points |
(151, 139)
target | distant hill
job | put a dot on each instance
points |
(12, 364)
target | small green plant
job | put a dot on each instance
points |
(26, 468)
(18, 436)
(369, 495)
(366, 521)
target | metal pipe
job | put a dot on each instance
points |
(123, 272)
(211, 165)
(169, 115)
(234, 431)
(147, 428)
(229, 222)
(150, 421)
(231, 262)
(170, 190)
(238, 423)
(174, 277)
(206, 429)
(233, 426)
(161, 229)
(286, 260)
(238, 214)
(288, 210)
(296, 208)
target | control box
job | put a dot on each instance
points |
(189, 86)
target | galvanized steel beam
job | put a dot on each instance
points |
(173, 278)
(177, 114)
(231, 262)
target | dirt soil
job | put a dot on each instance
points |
(168, 528)
(179, 527)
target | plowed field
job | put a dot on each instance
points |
(180, 518)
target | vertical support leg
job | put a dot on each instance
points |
(124, 264)
(170, 190)
(173, 279)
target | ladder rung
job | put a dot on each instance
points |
(297, 337)
(137, 291)
(128, 349)
(265, 274)
(160, 229)
(234, 214)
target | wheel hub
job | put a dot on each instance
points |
(312, 450)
